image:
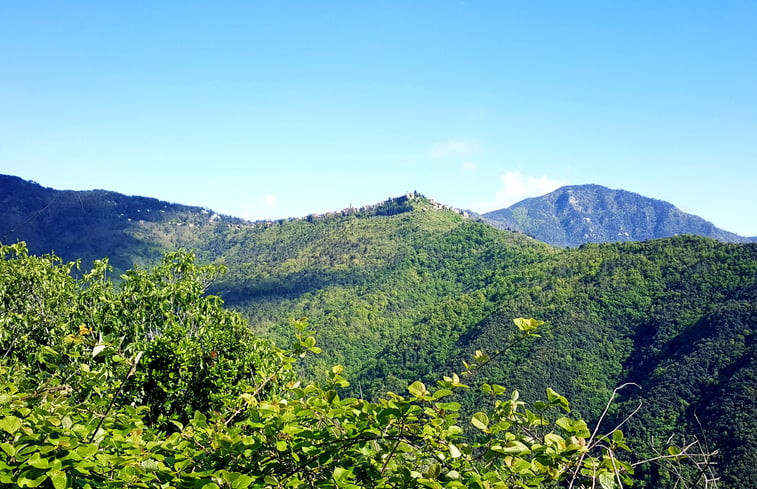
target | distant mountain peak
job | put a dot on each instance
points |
(576, 214)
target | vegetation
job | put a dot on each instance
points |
(152, 384)
(412, 295)
(405, 292)
(577, 214)
(89, 225)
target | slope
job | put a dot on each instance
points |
(411, 295)
(407, 290)
(577, 214)
(89, 225)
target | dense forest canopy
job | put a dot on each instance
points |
(151, 383)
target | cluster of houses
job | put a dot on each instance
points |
(439, 206)
(351, 210)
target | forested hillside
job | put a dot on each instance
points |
(149, 382)
(407, 290)
(89, 225)
(411, 295)
(577, 214)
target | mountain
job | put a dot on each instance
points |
(577, 214)
(408, 289)
(92, 224)
(412, 293)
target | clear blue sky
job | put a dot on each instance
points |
(280, 108)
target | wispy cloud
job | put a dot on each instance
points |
(270, 201)
(454, 147)
(516, 187)
(469, 166)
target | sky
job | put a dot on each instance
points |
(273, 109)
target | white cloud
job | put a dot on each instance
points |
(454, 147)
(270, 201)
(469, 166)
(516, 187)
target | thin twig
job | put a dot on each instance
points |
(115, 396)
(590, 443)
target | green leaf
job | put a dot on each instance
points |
(11, 424)
(480, 356)
(38, 462)
(434, 471)
(554, 440)
(448, 406)
(25, 479)
(454, 451)
(417, 389)
(556, 399)
(481, 421)
(241, 481)
(607, 480)
(86, 451)
(442, 393)
(340, 473)
(527, 325)
(58, 478)
(514, 447)
(8, 448)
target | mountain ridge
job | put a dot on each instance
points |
(90, 224)
(576, 214)
(558, 218)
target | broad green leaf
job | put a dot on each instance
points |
(31, 479)
(553, 439)
(241, 481)
(608, 480)
(448, 406)
(527, 325)
(58, 478)
(513, 448)
(481, 421)
(340, 473)
(86, 451)
(454, 451)
(8, 448)
(480, 356)
(417, 388)
(434, 470)
(673, 450)
(11, 424)
(38, 462)
(442, 393)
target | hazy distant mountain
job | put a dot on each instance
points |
(577, 214)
